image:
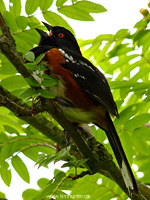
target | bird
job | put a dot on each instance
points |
(82, 91)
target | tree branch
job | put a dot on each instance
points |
(24, 112)
(8, 48)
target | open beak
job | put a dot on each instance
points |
(49, 27)
(42, 33)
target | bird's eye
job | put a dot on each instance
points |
(60, 35)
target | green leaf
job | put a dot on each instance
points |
(22, 45)
(137, 121)
(126, 140)
(3, 8)
(103, 37)
(46, 76)
(128, 112)
(39, 58)
(49, 82)
(60, 3)
(30, 56)
(46, 94)
(122, 84)
(33, 21)
(98, 134)
(2, 195)
(140, 74)
(10, 21)
(32, 66)
(32, 82)
(31, 6)
(5, 173)
(5, 152)
(58, 178)
(53, 184)
(42, 157)
(143, 132)
(142, 39)
(123, 60)
(121, 49)
(22, 22)
(67, 184)
(141, 24)
(140, 138)
(20, 168)
(45, 4)
(6, 67)
(55, 19)
(82, 162)
(97, 191)
(28, 93)
(42, 183)
(29, 194)
(42, 68)
(75, 12)
(30, 36)
(15, 9)
(56, 171)
(90, 7)
(32, 153)
(10, 129)
(122, 33)
(8, 118)
(68, 164)
(13, 82)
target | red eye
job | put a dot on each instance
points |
(60, 35)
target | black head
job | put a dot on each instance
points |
(58, 37)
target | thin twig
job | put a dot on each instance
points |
(63, 180)
(35, 145)
(143, 56)
(28, 138)
(81, 175)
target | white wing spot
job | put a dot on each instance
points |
(79, 75)
(70, 58)
(83, 63)
(62, 51)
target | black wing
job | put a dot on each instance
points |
(90, 80)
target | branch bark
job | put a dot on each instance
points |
(38, 121)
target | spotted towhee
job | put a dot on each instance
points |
(82, 92)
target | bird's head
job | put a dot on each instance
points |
(58, 37)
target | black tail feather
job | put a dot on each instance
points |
(121, 157)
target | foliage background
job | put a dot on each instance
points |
(125, 59)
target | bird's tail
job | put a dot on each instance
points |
(117, 148)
